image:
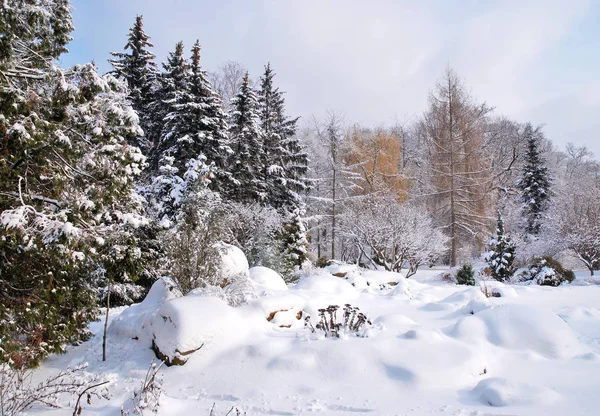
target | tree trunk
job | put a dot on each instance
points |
(452, 190)
(333, 215)
(106, 324)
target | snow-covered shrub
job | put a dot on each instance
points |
(148, 395)
(352, 321)
(393, 235)
(254, 229)
(546, 271)
(193, 244)
(465, 275)
(501, 256)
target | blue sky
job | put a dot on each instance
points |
(376, 61)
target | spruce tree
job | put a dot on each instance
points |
(285, 162)
(535, 182)
(246, 142)
(173, 82)
(196, 125)
(138, 68)
(501, 256)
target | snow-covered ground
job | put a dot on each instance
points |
(434, 348)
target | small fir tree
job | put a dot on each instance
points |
(294, 244)
(501, 256)
(465, 275)
(535, 182)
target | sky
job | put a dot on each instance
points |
(376, 61)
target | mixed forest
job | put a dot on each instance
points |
(110, 181)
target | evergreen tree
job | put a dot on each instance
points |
(196, 125)
(501, 256)
(246, 142)
(173, 82)
(295, 245)
(284, 161)
(535, 182)
(138, 69)
(66, 175)
(465, 275)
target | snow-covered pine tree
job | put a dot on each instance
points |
(246, 142)
(285, 163)
(138, 68)
(501, 256)
(196, 125)
(284, 166)
(294, 244)
(68, 201)
(535, 182)
(173, 82)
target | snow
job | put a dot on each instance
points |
(433, 348)
(521, 327)
(265, 279)
(500, 392)
(233, 262)
(189, 323)
(135, 322)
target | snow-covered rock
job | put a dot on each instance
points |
(184, 325)
(136, 321)
(265, 279)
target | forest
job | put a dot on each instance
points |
(110, 182)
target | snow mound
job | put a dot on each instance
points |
(326, 284)
(501, 392)
(233, 262)
(340, 270)
(585, 321)
(265, 279)
(520, 327)
(403, 289)
(184, 325)
(394, 321)
(505, 292)
(136, 321)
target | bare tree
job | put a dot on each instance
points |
(334, 181)
(226, 81)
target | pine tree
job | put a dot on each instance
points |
(246, 142)
(284, 161)
(139, 70)
(501, 256)
(196, 125)
(535, 182)
(294, 250)
(173, 82)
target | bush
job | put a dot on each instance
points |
(546, 271)
(465, 275)
(322, 262)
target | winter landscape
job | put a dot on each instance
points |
(181, 235)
